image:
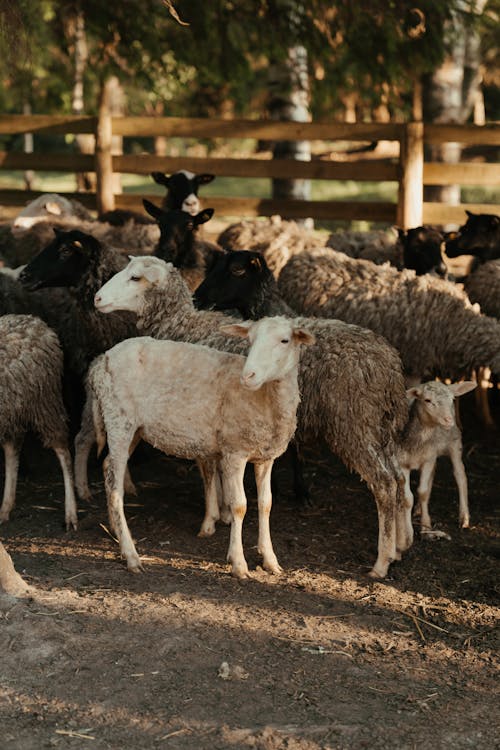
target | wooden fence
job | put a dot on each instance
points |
(409, 170)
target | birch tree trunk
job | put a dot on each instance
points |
(289, 100)
(85, 142)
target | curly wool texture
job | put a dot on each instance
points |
(483, 286)
(96, 332)
(21, 245)
(351, 381)
(278, 240)
(431, 322)
(380, 246)
(31, 364)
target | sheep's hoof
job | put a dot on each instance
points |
(240, 571)
(84, 495)
(129, 488)
(71, 524)
(4, 517)
(207, 529)
(464, 523)
(434, 534)
(135, 567)
(273, 567)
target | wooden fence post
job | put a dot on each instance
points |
(103, 158)
(411, 188)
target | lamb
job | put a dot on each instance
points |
(79, 262)
(31, 364)
(431, 322)
(379, 246)
(343, 360)
(182, 190)
(276, 239)
(479, 236)
(179, 244)
(431, 432)
(205, 404)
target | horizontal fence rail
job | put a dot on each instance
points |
(408, 170)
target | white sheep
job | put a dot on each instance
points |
(431, 432)
(204, 404)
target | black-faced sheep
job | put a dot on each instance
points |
(182, 190)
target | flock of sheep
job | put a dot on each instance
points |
(270, 338)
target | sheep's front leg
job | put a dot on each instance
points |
(404, 526)
(233, 469)
(264, 500)
(385, 497)
(11, 452)
(84, 441)
(70, 511)
(461, 480)
(424, 492)
(114, 472)
(209, 474)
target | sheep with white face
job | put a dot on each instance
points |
(432, 431)
(203, 404)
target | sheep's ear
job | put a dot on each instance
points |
(458, 389)
(239, 330)
(160, 178)
(414, 392)
(301, 336)
(53, 208)
(151, 273)
(154, 211)
(470, 213)
(204, 179)
(203, 216)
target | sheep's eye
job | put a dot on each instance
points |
(135, 278)
(285, 341)
(238, 271)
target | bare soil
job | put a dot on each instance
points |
(185, 656)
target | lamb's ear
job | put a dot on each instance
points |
(301, 336)
(154, 211)
(203, 216)
(414, 392)
(470, 213)
(458, 389)
(239, 330)
(160, 178)
(53, 208)
(204, 179)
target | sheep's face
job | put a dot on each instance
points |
(422, 250)
(63, 262)
(480, 236)
(274, 349)
(177, 230)
(435, 401)
(126, 290)
(235, 281)
(182, 189)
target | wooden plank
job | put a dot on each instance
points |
(410, 197)
(484, 135)
(47, 161)
(261, 129)
(103, 157)
(12, 124)
(338, 210)
(440, 213)
(368, 170)
(471, 173)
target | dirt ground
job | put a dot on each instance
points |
(185, 656)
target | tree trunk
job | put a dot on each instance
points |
(289, 100)
(449, 94)
(116, 106)
(29, 175)
(85, 142)
(10, 581)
